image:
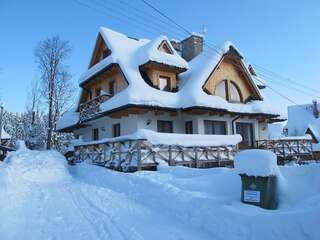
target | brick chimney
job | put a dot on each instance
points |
(315, 108)
(190, 47)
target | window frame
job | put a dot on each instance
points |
(95, 134)
(116, 130)
(212, 128)
(168, 86)
(189, 127)
(232, 83)
(159, 126)
(227, 89)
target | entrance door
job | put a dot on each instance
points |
(246, 131)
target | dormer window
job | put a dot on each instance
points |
(164, 47)
(228, 90)
(164, 83)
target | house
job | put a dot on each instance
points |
(4, 138)
(304, 120)
(168, 87)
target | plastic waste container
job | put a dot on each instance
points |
(259, 190)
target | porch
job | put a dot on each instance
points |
(145, 151)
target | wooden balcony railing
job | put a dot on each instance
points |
(140, 154)
(90, 109)
(288, 149)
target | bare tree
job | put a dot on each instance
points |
(56, 87)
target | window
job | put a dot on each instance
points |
(221, 89)
(95, 134)
(90, 94)
(229, 91)
(215, 127)
(164, 83)
(98, 92)
(246, 132)
(165, 126)
(112, 86)
(234, 93)
(189, 127)
(116, 130)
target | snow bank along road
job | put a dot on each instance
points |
(42, 198)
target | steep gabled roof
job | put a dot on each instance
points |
(130, 54)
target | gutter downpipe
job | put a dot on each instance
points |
(233, 126)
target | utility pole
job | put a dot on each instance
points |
(1, 114)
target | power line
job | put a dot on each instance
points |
(148, 27)
(273, 74)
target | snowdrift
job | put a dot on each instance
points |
(37, 166)
(42, 200)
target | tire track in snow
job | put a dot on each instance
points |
(104, 224)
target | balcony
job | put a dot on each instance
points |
(90, 109)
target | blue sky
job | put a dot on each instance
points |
(282, 36)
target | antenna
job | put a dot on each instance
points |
(204, 30)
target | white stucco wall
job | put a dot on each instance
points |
(149, 120)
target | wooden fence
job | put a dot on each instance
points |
(135, 155)
(288, 149)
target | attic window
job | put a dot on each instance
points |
(164, 47)
(164, 83)
(234, 93)
(228, 90)
(221, 89)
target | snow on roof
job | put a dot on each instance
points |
(256, 162)
(300, 119)
(68, 119)
(150, 52)
(129, 54)
(4, 134)
(132, 52)
(186, 140)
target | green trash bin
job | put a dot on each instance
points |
(259, 191)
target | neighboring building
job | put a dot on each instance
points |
(304, 119)
(172, 87)
(4, 136)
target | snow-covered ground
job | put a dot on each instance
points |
(43, 198)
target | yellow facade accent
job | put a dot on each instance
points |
(229, 70)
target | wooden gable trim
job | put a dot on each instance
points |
(108, 67)
(166, 47)
(161, 67)
(99, 44)
(247, 75)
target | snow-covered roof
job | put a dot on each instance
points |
(129, 54)
(68, 119)
(4, 134)
(300, 119)
(185, 140)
